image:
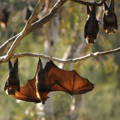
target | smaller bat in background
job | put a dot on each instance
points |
(28, 12)
(110, 18)
(91, 27)
(12, 86)
(4, 17)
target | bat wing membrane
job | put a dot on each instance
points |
(28, 92)
(68, 81)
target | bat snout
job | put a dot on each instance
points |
(10, 91)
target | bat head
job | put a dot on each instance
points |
(49, 65)
(91, 11)
(12, 84)
(91, 27)
(110, 18)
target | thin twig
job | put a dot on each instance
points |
(46, 18)
(90, 3)
(78, 59)
(24, 31)
(38, 24)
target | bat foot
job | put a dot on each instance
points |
(44, 100)
(10, 92)
(90, 40)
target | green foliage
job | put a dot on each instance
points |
(103, 103)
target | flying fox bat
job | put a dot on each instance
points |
(52, 78)
(91, 27)
(12, 86)
(110, 18)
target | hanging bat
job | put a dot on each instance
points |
(12, 86)
(110, 18)
(49, 79)
(4, 17)
(91, 27)
(52, 78)
(28, 13)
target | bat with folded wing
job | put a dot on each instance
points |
(110, 18)
(91, 27)
(12, 86)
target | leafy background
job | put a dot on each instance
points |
(103, 103)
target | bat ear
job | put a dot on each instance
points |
(39, 66)
(49, 65)
(93, 9)
(106, 6)
(111, 5)
(16, 65)
(88, 10)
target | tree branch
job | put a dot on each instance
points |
(29, 28)
(90, 3)
(20, 36)
(95, 54)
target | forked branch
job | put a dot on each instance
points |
(29, 27)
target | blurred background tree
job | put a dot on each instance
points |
(63, 37)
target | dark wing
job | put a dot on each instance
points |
(42, 92)
(28, 92)
(12, 84)
(91, 30)
(67, 81)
